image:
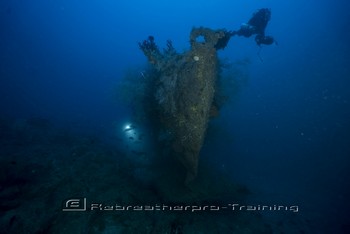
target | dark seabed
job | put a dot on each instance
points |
(82, 150)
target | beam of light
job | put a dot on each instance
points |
(127, 127)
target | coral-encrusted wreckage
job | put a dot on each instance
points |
(185, 85)
(185, 90)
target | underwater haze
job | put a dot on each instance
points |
(284, 134)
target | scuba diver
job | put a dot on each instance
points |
(256, 26)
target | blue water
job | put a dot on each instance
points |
(287, 133)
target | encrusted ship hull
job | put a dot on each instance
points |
(185, 91)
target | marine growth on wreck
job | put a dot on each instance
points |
(184, 91)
